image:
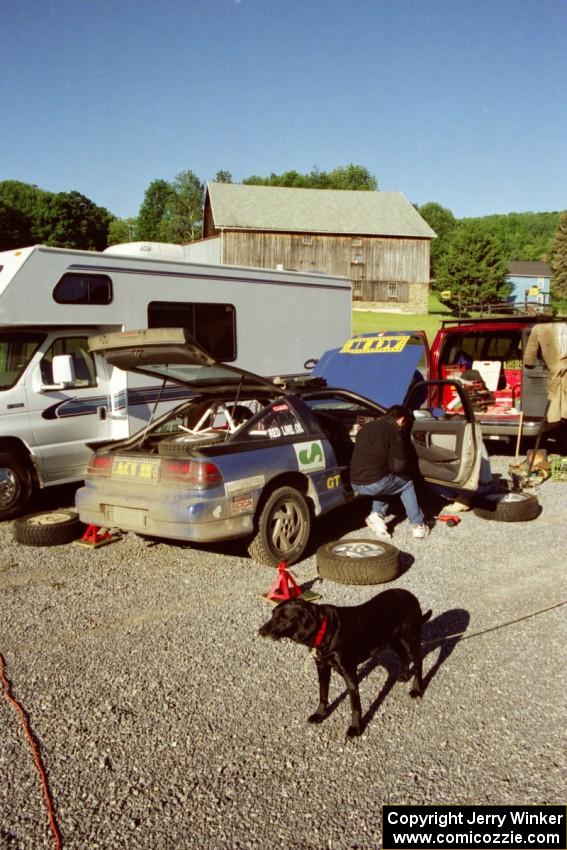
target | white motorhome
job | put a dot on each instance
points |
(55, 396)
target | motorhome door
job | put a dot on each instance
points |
(65, 415)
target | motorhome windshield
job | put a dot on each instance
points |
(16, 351)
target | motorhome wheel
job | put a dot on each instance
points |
(16, 486)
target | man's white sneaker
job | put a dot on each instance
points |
(420, 531)
(378, 525)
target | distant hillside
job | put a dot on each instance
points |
(523, 236)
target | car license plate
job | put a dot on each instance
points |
(139, 469)
(125, 517)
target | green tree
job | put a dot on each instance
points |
(522, 236)
(121, 230)
(223, 177)
(63, 219)
(344, 177)
(352, 177)
(473, 268)
(71, 220)
(443, 223)
(15, 228)
(558, 260)
(183, 216)
(151, 214)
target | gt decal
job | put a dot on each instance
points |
(390, 344)
(333, 481)
(310, 456)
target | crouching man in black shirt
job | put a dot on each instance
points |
(383, 464)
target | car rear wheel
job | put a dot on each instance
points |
(48, 528)
(508, 507)
(358, 561)
(16, 485)
(284, 526)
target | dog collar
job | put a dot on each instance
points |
(320, 634)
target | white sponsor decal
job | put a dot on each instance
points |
(310, 456)
(244, 485)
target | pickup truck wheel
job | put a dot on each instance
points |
(358, 561)
(16, 485)
(284, 526)
(508, 507)
(48, 528)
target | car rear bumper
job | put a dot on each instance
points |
(508, 427)
(173, 517)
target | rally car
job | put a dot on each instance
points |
(245, 456)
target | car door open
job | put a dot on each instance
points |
(448, 446)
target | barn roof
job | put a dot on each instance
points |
(275, 208)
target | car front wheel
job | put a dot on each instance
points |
(284, 526)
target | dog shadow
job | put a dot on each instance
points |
(442, 633)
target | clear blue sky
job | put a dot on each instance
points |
(462, 102)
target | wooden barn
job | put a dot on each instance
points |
(377, 239)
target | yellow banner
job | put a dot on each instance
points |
(375, 344)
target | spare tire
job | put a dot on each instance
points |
(48, 528)
(508, 507)
(351, 561)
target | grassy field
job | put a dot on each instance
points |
(365, 321)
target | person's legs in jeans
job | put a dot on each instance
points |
(392, 485)
(375, 489)
(410, 503)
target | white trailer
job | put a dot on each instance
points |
(55, 396)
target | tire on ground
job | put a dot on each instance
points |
(508, 507)
(16, 485)
(48, 528)
(358, 561)
(283, 528)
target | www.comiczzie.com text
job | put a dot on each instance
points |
(474, 827)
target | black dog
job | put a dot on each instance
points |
(342, 638)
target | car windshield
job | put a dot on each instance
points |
(16, 351)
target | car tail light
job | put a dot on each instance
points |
(100, 466)
(194, 473)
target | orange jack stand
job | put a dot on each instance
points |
(285, 586)
(95, 536)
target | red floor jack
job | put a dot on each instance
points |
(450, 519)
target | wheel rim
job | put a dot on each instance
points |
(9, 487)
(49, 519)
(359, 549)
(286, 526)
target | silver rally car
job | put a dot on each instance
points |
(244, 456)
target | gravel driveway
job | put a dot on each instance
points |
(165, 722)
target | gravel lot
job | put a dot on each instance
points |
(165, 722)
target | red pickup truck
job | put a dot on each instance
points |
(494, 347)
(485, 355)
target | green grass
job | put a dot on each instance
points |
(367, 321)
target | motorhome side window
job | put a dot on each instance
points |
(83, 361)
(213, 326)
(76, 288)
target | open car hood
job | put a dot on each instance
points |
(172, 355)
(380, 366)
